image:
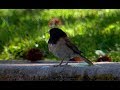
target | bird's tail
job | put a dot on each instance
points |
(86, 60)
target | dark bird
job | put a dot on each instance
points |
(60, 45)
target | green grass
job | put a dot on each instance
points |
(89, 29)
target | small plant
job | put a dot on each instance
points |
(55, 22)
(103, 57)
(33, 54)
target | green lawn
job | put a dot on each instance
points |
(89, 29)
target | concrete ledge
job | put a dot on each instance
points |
(27, 71)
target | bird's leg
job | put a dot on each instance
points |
(61, 62)
(67, 62)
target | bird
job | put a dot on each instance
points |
(61, 46)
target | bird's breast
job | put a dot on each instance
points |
(61, 50)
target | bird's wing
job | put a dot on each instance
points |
(75, 49)
(72, 46)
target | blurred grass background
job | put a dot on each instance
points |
(88, 29)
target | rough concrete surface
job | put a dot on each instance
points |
(46, 71)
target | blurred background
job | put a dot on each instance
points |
(89, 29)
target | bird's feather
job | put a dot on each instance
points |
(75, 49)
(72, 46)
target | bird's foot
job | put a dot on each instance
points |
(57, 65)
(61, 65)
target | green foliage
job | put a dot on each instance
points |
(89, 29)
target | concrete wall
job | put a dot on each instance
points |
(22, 71)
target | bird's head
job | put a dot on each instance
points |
(57, 33)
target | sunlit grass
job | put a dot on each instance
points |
(89, 29)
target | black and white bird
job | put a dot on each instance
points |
(60, 45)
